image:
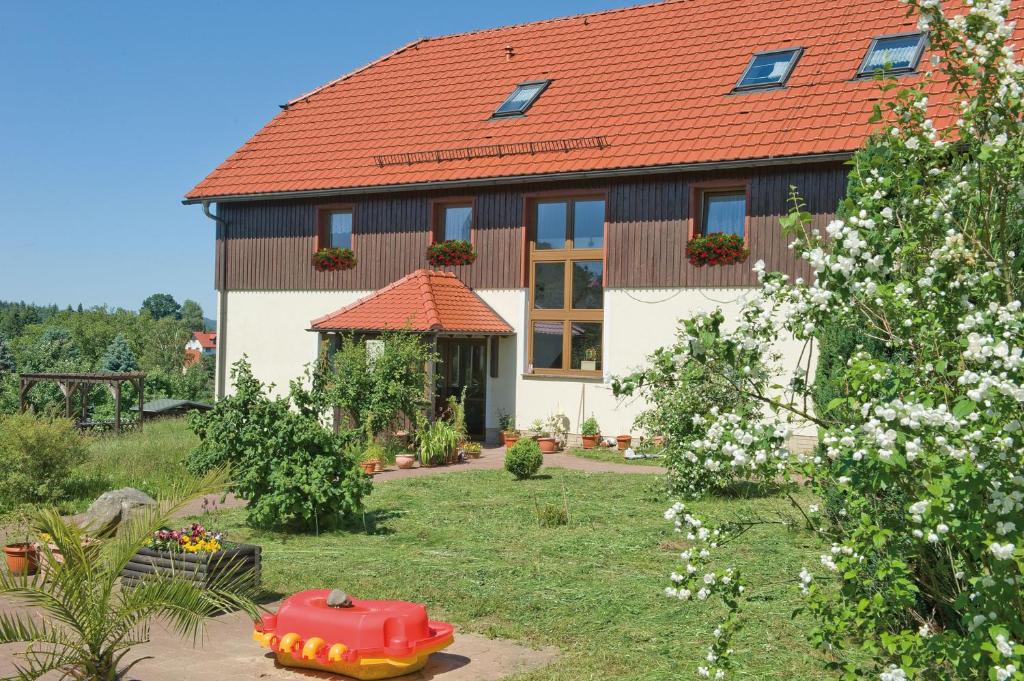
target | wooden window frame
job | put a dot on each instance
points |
(698, 190)
(567, 255)
(323, 223)
(435, 234)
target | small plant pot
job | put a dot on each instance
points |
(548, 445)
(369, 467)
(623, 442)
(22, 559)
(404, 461)
(510, 438)
(590, 441)
(378, 466)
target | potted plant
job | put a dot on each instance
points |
(449, 253)
(368, 460)
(438, 440)
(22, 557)
(195, 554)
(623, 442)
(509, 434)
(590, 357)
(591, 433)
(405, 460)
(472, 449)
(548, 444)
(331, 259)
(716, 249)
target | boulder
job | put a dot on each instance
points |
(112, 508)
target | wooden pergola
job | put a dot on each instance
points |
(70, 383)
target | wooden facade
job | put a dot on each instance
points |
(269, 243)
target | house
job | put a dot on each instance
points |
(202, 344)
(169, 408)
(578, 156)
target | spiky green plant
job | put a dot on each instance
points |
(89, 623)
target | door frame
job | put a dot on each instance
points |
(442, 371)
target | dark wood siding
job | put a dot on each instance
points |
(269, 243)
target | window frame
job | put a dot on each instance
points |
(437, 207)
(922, 44)
(544, 84)
(567, 314)
(696, 213)
(797, 52)
(323, 223)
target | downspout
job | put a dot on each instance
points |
(222, 301)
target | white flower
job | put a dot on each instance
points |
(887, 213)
(893, 674)
(1004, 673)
(1002, 551)
(913, 143)
(1005, 646)
(999, 140)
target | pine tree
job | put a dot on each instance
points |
(7, 363)
(119, 356)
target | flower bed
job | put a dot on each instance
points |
(195, 554)
(330, 259)
(716, 249)
(448, 253)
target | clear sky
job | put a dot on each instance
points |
(110, 111)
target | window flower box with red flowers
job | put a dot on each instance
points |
(448, 253)
(716, 249)
(330, 259)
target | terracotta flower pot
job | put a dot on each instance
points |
(510, 438)
(623, 442)
(548, 445)
(378, 466)
(369, 467)
(590, 441)
(404, 461)
(22, 559)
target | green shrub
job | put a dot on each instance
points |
(552, 515)
(39, 455)
(591, 427)
(524, 459)
(293, 471)
(436, 440)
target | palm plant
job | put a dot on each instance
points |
(89, 623)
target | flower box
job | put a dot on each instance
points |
(331, 259)
(716, 249)
(450, 253)
(239, 563)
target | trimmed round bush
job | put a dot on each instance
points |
(524, 458)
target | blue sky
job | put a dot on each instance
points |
(111, 111)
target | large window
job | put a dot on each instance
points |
(336, 227)
(566, 273)
(453, 221)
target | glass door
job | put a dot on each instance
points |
(463, 366)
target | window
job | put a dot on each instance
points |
(724, 212)
(566, 273)
(335, 227)
(769, 69)
(521, 99)
(453, 221)
(895, 54)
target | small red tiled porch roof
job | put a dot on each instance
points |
(424, 301)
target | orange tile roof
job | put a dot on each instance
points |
(206, 339)
(421, 301)
(654, 80)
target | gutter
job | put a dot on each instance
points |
(222, 301)
(526, 179)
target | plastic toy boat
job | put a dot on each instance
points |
(361, 639)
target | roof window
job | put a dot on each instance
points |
(769, 69)
(893, 53)
(521, 99)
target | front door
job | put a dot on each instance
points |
(463, 366)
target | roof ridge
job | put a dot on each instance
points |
(353, 72)
(429, 302)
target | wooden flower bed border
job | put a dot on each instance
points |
(202, 568)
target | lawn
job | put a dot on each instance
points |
(612, 455)
(469, 545)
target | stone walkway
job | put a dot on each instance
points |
(492, 458)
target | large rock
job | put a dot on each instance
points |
(113, 508)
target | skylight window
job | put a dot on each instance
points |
(769, 69)
(894, 53)
(522, 98)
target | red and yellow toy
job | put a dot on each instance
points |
(329, 631)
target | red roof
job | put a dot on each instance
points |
(207, 339)
(654, 81)
(421, 301)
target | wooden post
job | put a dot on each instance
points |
(142, 399)
(117, 407)
(431, 382)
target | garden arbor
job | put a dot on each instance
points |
(81, 382)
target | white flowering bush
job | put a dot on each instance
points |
(921, 453)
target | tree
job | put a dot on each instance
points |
(8, 365)
(192, 316)
(162, 305)
(119, 356)
(55, 350)
(76, 621)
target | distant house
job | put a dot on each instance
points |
(578, 156)
(163, 408)
(202, 343)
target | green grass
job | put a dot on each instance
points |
(150, 459)
(612, 456)
(470, 546)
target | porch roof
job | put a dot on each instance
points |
(424, 301)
